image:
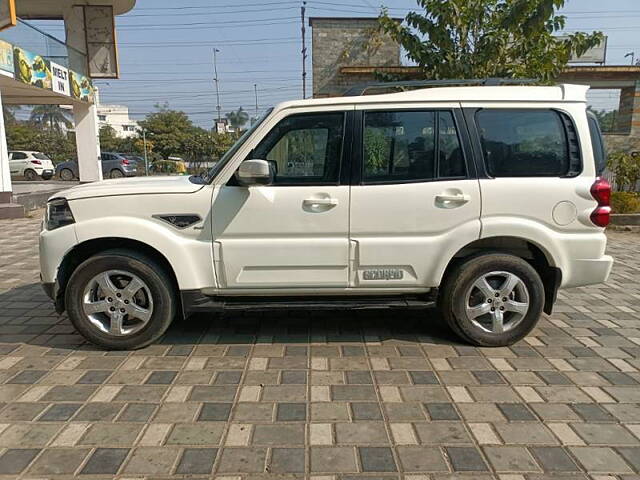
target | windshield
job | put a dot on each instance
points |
(211, 174)
(41, 156)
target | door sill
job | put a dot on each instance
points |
(194, 301)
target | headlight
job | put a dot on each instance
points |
(58, 214)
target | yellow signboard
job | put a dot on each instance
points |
(7, 14)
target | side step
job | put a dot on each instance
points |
(195, 302)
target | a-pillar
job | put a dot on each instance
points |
(87, 142)
(7, 208)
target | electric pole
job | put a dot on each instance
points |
(215, 70)
(304, 52)
(255, 90)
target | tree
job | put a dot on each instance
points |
(606, 119)
(50, 117)
(238, 118)
(9, 113)
(168, 130)
(488, 38)
(24, 136)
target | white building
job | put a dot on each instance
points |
(117, 117)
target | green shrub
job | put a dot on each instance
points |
(625, 202)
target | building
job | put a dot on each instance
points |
(117, 117)
(37, 68)
(349, 51)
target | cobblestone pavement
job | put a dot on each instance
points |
(321, 395)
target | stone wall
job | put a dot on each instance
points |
(339, 42)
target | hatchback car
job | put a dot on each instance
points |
(486, 199)
(114, 165)
(30, 165)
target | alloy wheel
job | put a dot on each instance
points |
(497, 302)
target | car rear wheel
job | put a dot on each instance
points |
(66, 175)
(492, 300)
(115, 173)
(30, 175)
(120, 300)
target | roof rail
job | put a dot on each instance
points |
(361, 89)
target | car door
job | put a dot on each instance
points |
(415, 200)
(293, 233)
(17, 163)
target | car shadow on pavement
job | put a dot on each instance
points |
(27, 316)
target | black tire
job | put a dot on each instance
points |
(115, 173)
(158, 281)
(30, 175)
(452, 298)
(66, 174)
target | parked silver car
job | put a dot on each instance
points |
(114, 165)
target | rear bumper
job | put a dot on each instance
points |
(589, 271)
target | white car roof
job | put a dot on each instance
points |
(504, 93)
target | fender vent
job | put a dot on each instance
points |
(179, 220)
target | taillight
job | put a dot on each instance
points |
(601, 192)
(124, 161)
(37, 162)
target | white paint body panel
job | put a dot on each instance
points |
(264, 240)
(270, 238)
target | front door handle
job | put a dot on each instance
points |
(324, 202)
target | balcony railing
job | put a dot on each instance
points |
(31, 38)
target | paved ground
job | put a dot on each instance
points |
(337, 395)
(22, 186)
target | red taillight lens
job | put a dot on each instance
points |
(601, 191)
(125, 161)
(37, 162)
(600, 216)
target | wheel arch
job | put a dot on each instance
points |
(536, 255)
(86, 249)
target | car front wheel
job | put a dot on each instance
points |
(120, 300)
(492, 300)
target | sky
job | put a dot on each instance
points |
(166, 51)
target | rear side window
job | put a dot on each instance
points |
(526, 143)
(411, 146)
(41, 156)
(599, 153)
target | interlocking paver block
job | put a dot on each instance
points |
(330, 395)
(197, 460)
(105, 461)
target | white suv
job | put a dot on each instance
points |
(486, 199)
(30, 165)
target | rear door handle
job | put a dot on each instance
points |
(458, 198)
(321, 201)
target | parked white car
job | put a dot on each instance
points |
(30, 165)
(485, 198)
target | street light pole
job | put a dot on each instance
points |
(144, 143)
(215, 70)
(255, 89)
(632, 55)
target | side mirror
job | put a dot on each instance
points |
(255, 172)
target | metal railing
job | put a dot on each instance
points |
(31, 38)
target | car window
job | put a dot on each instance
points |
(522, 143)
(599, 153)
(41, 156)
(18, 156)
(451, 162)
(304, 149)
(402, 146)
(399, 145)
(106, 156)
